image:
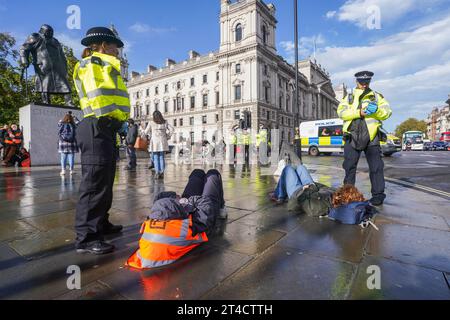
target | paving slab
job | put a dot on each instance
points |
(414, 245)
(187, 279)
(53, 220)
(92, 291)
(246, 239)
(328, 238)
(281, 274)
(15, 229)
(399, 281)
(276, 218)
(40, 244)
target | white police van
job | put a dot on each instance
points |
(322, 136)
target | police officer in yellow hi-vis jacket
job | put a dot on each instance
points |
(105, 103)
(363, 111)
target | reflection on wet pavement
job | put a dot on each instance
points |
(261, 251)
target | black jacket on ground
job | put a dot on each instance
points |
(203, 209)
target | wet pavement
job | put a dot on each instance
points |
(261, 252)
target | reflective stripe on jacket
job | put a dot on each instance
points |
(101, 88)
(348, 111)
(164, 242)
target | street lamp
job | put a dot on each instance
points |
(296, 119)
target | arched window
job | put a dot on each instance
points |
(238, 32)
(264, 34)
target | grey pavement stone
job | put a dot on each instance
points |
(187, 279)
(415, 245)
(282, 273)
(328, 238)
(400, 281)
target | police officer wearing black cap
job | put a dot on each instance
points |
(363, 111)
(105, 103)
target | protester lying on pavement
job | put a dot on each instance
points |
(346, 205)
(350, 207)
(178, 224)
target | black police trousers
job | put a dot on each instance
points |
(96, 140)
(376, 167)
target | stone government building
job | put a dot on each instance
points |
(206, 95)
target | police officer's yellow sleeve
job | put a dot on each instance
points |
(384, 111)
(346, 112)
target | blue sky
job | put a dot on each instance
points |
(410, 53)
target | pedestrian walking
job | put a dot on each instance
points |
(105, 103)
(67, 145)
(130, 140)
(159, 132)
(363, 111)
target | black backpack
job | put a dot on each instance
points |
(67, 133)
(314, 201)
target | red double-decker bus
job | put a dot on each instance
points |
(445, 136)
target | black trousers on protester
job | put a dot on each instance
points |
(206, 185)
(376, 167)
(96, 139)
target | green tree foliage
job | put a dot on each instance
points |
(13, 93)
(411, 124)
(12, 89)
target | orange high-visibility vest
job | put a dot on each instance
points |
(164, 242)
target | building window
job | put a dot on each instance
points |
(280, 82)
(192, 135)
(179, 104)
(288, 103)
(238, 32)
(191, 121)
(237, 114)
(268, 115)
(281, 102)
(192, 81)
(237, 92)
(266, 70)
(137, 94)
(266, 94)
(181, 122)
(217, 76)
(264, 34)
(204, 120)
(174, 122)
(192, 102)
(147, 109)
(205, 101)
(166, 88)
(147, 92)
(217, 117)
(166, 106)
(179, 85)
(205, 78)
(217, 98)
(174, 105)
(238, 68)
(140, 111)
(156, 90)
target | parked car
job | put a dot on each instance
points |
(448, 146)
(439, 146)
(427, 146)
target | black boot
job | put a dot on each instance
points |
(96, 247)
(112, 229)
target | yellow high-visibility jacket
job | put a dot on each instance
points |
(261, 137)
(101, 89)
(348, 111)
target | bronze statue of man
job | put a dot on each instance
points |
(50, 64)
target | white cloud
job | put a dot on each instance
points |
(145, 28)
(306, 46)
(412, 69)
(356, 11)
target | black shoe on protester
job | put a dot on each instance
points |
(112, 229)
(96, 247)
(376, 201)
